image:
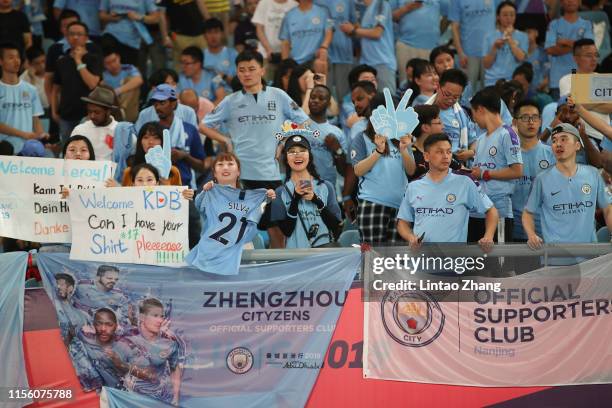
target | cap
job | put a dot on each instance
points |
(297, 140)
(101, 96)
(289, 129)
(163, 92)
(32, 148)
(566, 128)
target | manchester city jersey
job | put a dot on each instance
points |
(535, 161)
(567, 204)
(253, 122)
(441, 210)
(229, 219)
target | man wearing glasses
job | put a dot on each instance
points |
(537, 157)
(206, 83)
(586, 57)
(457, 124)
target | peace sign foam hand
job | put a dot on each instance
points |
(392, 123)
(159, 157)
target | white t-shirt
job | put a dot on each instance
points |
(565, 88)
(39, 84)
(270, 14)
(101, 137)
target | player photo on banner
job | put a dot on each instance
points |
(189, 338)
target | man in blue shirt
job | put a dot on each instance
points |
(457, 124)
(566, 196)
(125, 26)
(187, 149)
(537, 157)
(306, 33)
(376, 37)
(206, 83)
(497, 161)
(560, 37)
(253, 117)
(419, 29)
(217, 57)
(87, 10)
(341, 47)
(438, 204)
(471, 21)
(125, 79)
(20, 106)
(329, 148)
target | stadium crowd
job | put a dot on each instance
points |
(502, 152)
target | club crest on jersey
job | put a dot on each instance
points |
(586, 189)
(492, 151)
(451, 198)
(339, 8)
(271, 105)
(293, 129)
(544, 164)
(316, 20)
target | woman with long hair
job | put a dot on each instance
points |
(507, 47)
(150, 135)
(305, 207)
(383, 167)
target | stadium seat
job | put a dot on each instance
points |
(603, 235)
(350, 237)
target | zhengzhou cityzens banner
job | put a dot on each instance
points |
(13, 375)
(185, 337)
(143, 225)
(31, 207)
(548, 327)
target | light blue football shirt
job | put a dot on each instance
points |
(421, 27)
(323, 157)
(125, 30)
(18, 104)
(206, 87)
(496, 151)
(382, 50)
(505, 63)
(442, 210)
(88, 11)
(476, 19)
(229, 220)
(568, 204)
(558, 29)
(308, 211)
(253, 125)
(224, 61)
(305, 31)
(341, 47)
(535, 161)
(115, 81)
(454, 120)
(386, 182)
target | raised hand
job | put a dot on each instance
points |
(405, 116)
(161, 158)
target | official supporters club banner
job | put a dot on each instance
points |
(544, 328)
(31, 207)
(185, 337)
(13, 375)
(144, 225)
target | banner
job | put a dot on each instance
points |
(30, 204)
(144, 225)
(12, 369)
(194, 339)
(548, 327)
(592, 88)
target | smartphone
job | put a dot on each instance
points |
(304, 184)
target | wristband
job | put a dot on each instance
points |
(81, 66)
(346, 198)
(486, 176)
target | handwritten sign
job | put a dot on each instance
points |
(592, 88)
(144, 225)
(31, 207)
